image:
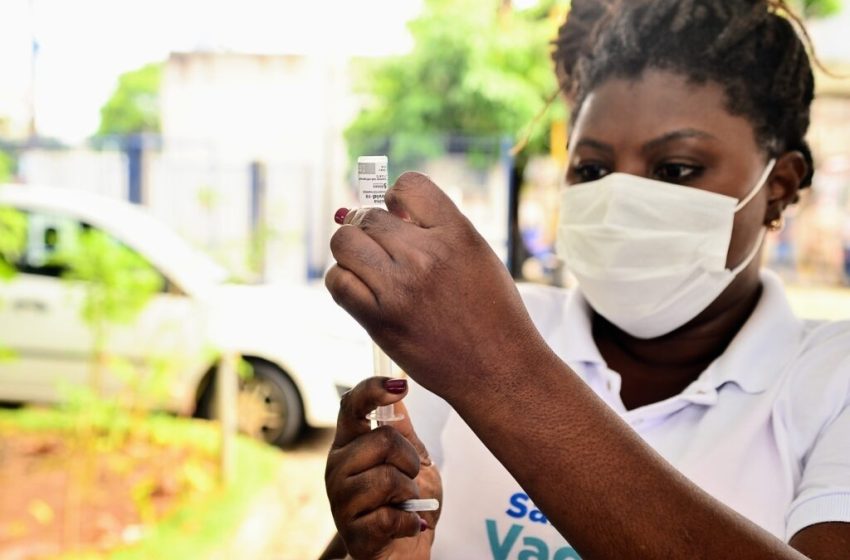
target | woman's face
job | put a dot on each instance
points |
(661, 127)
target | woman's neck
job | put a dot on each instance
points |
(655, 369)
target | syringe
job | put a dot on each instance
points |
(372, 182)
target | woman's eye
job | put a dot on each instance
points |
(677, 172)
(587, 172)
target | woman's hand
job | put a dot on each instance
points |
(369, 472)
(428, 288)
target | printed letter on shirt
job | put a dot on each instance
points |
(499, 548)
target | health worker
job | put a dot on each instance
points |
(672, 406)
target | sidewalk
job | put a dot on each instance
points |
(292, 521)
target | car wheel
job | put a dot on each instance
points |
(268, 404)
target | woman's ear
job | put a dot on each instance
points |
(784, 183)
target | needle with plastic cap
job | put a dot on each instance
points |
(372, 183)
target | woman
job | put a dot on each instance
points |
(673, 406)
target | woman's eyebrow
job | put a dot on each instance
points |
(591, 143)
(682, 134)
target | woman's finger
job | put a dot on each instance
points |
(416, 198)
(391, 232)
(350, 292)
(405, 428)
(354, 250)
(382, 446)
(372, 532)
(365, 397)
(380, 486)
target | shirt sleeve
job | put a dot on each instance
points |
(823, 494)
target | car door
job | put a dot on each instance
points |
(42, 322)
(39, 318)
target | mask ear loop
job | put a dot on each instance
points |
(762, 180)
(746, 262)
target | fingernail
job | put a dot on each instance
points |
(423, 525)
(395, 386)
(340, 215)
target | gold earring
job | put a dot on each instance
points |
(776, 224)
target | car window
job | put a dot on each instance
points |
(50, 238)
(46, 237)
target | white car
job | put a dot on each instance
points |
(305, 351)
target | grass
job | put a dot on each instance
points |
(200, 524)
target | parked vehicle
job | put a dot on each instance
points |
(303, 349)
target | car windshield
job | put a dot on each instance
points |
(173, 252)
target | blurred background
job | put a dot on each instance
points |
(170, 169)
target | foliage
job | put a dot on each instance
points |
(145, 387)
(13, 231)
(201, 527)
(817, 8)
(207, 515)
(7, 166)
(118, 282)
(134, 105)
(476, 70)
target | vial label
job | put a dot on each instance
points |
(372, 180)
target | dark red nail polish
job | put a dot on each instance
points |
(395, 386)
(423, 525)
(340, 215)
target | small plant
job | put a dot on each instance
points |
(7, 166)
(118, 285)
(13, 232)
(13, 235)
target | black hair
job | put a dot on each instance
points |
(749, 47)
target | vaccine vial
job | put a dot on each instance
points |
(372, 179)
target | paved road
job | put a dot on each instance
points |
(307, 525)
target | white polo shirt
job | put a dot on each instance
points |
(765, 429)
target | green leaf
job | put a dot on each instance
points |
(818, 8)
(134, 105)
(7, 167)
(119, 282)
(7, 355)
(476, 71)
(13, 234)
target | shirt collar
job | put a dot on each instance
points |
(765, 344)
(753, 360)
(575, 336)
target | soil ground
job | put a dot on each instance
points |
(58, 495)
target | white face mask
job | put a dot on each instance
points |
(650, 256)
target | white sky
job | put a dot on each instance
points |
(86, 44)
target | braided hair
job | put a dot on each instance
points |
(748, 47)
